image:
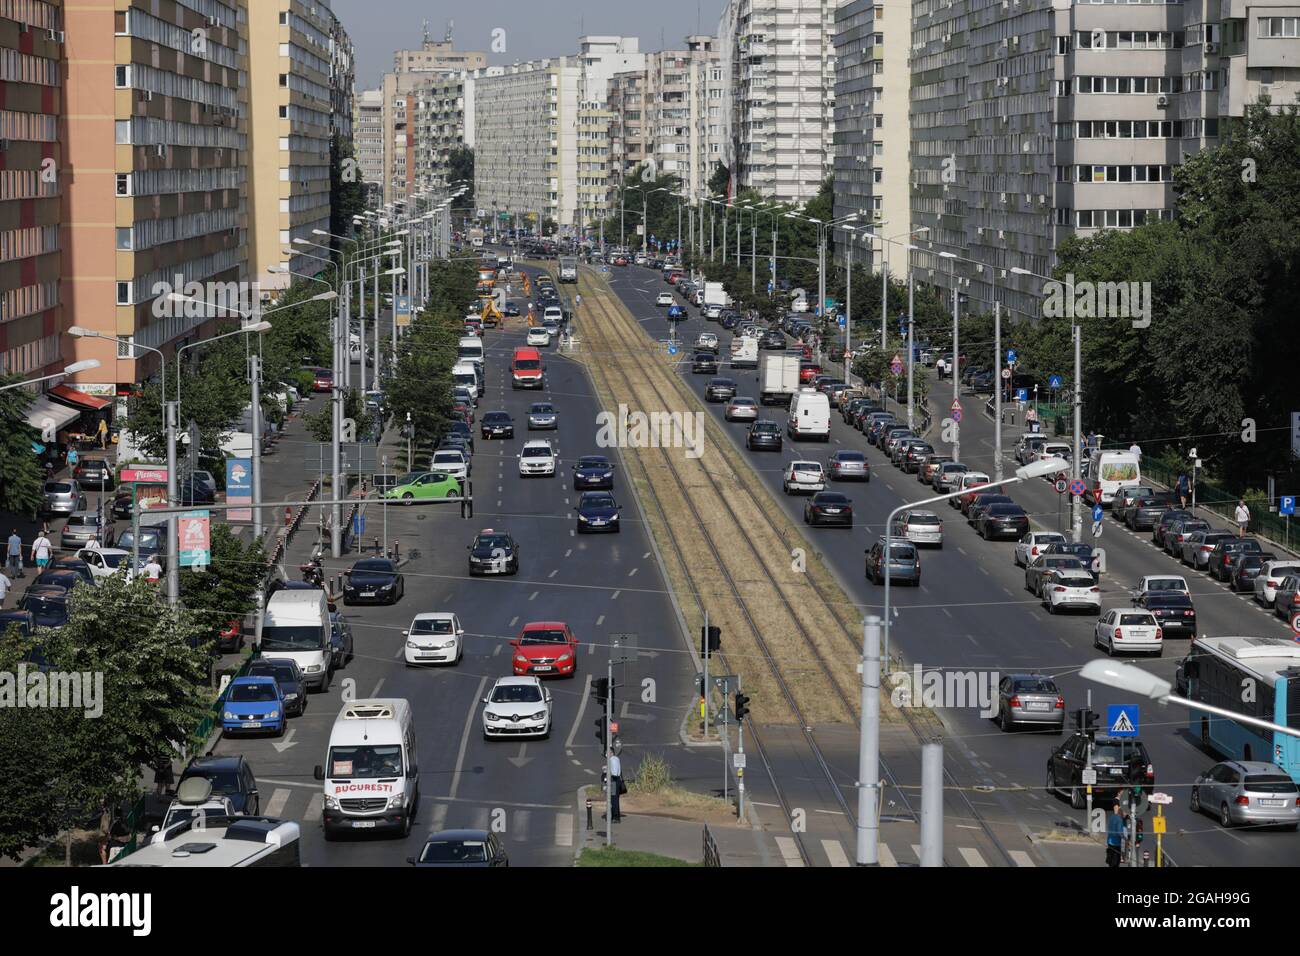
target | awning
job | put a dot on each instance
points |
(84, 400)
(47, 417)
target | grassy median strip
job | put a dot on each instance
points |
(613, 856)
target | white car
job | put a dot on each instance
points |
(434, 637)
(517, 707)
(537, 458)
(706, 341)
(1071, 588)
(919, 527)
(1128, 629)
(538, 335)
(804, 476)
(449, 461)
(741, 409)
(1270, 577)
(1035, 543)
(665, 299)
(1162, 582)
(104, 562)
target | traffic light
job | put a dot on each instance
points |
(710, 640)
(1087, 721)
(742, 706)
(602, 733)
(600, 690)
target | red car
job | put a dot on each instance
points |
(322, 379)
(464, 412)
(674, 278)
(620, 261)
(545, 648)
(808, 371)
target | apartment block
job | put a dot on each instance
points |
(32, 177)
(444, 122)
(778, 61)
(343, 81)
(290, 120)
(437, 56)
(600, 59)
(871, 122)
(155, 174)
(368, 136)
(630, 140)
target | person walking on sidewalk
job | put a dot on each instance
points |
(615, 786)
(14, 554)
(102, 431)
(42, 548)
(1242, 516)
(1184, 489)
(5, 585)
(1114, 836)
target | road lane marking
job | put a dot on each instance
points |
(600, 620)
(971, 856)
(582, 706)
(885, 855)
(533, 596)
(314, 807)
(438, 818)
(557, 571)
(835, 853)
(514, 620)
(275, 806)
(614, 596)
(520, 823)
(564, 829)
(789, 852)
(464, 735)
(1020, 858)
(375, 692)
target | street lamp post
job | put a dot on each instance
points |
(73, 369)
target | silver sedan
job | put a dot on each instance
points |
(741, 409)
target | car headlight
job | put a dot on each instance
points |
(331, 803)
(229, 716)
(582, 518)
(412, 645)
(314, 668)
(273, 715)
(520, 659)
(490, 716)
(540, 715)
(395, 801)
(447, 644)
(290, 696)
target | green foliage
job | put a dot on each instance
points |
(225, 591)
(21, 476)
(320, 424)
(347, 191)
(460, 166)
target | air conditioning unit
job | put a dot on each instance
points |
(979, 230)
(1162, 102)
(1002, 234)
(1211, 48)
(212, 21)
(160, 150)
(54, 35)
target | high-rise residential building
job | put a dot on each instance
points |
(525, 141)
(629, 125)
(1039, 120)
(343, 77)
(368, 137)
(437, 56)
(600, 59)
(871, 119)
(778, 61)
(290, 104)
(32, 178)
(154, 171)
(444, 122)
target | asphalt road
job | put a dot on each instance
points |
(972, 613)
(599, 584)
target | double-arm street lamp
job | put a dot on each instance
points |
(73, 369)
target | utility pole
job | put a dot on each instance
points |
(911, 351)
(336, 456)
(884, 295)
(753, 260)
(704, 689)
(956, 367)
(361, 327)
(1076, 519)
(997, 391)
(868, 843)
(726, 741)
(173, 548)
(609, 750)
(255, 377)
(932, 804)
(848, 306)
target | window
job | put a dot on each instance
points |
(1062, 46)
(124, 184)
(122, 77)
(124, 293)
(124, 238)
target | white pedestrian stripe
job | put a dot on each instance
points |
(916, 848)
(481, 819)
(314, 807)
(438, 817)
(564, 829)
(835, 853)
(886, 855)
(1020, 858)
(275, 806)
(789, 852)
(971, 856)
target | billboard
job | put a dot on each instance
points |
(195, 533)
(239, 488)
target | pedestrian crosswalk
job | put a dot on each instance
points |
(825, 852)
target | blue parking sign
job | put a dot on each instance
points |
(1286, 505)
(1097, 513)
(1122, 720)
(1022, 394)
(1011, 355)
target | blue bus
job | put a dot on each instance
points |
(1256, 677)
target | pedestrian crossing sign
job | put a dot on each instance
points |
(1122, 720)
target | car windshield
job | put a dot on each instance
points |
(1115, 751)
(537, 451)
(223, 781)
(742, 401)
(902, 552)
(304, 637)
(448, 458)
(373, 567)
(1169, 599)
(58, 488)
(82, 521)
(113, 560)
(831, 498)
(1005, 510)
(1033, 686)
(431, 626)
(765, 427)
(1137, 620)
(496, 417)
(589, 462)
(924, 519)
(542, 409)
(493, 541)
(454, 851)
(1166, 584)
(543, 637)
(252, 692)
(280, 670)
(516, 694)
(806, 466)
(595, 501)
(365, 762)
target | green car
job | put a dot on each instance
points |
(430, 484)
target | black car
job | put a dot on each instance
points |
(71, 565)
(341, 641)
(1226, 554)
(593, 471)
(288, 676)
(729, 320)
(1120, 763)
(193, 492)
(764, 436)
(1144, 512)
(771, 339)
(1173, 610)
(916, 453)
(62, 578)
(829, 507)
(373, 581)
(497, 425)
(493, 552)
(980, 502)
(1247, 568)
(461, 848)
(231, 777)
(462, 428)
(122, 506)
(597, 511)
(1084, 552)
(94, 473)
(705, 363)
(1003, 521)
(23, 620)
(1161, 525)
(720, 390)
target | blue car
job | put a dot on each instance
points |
(598, 511)
(677, 313)
(253, 705)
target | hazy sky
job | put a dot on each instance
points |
(534, 28)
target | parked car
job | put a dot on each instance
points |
(83, 527)
(94, 473)
(1223, 559)
(1270, 577)
(1199, 545)
(1002, 520)
(62, 496)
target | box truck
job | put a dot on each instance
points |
(744, 352)
(779, 380)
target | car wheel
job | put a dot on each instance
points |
(1225, 818)
(1078, 799)
(1051, 608)
(1110, 647)
(1050, 785)
(1195, 802)
(1004, 722)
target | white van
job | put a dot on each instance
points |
(463, 374)
(296, 627)
(470, 349)
(810, 415)
(1109, 471)
(372, 780)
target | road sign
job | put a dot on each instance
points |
(1122, 720)
(956, 416)
(1011, 355)
(1061, 485)
(1159, 825)
(738, 761)
(1097, 513)
(1006, 373)
(1089, 777)
(195, 539)
(402, 311)
(842, 321)
(896, 365)
(1054, 381)
(1077, 487)
(1096, 529)
(672, 348)
(955, 406)
(1286, 505)
(1022, 394)
(1163, 799)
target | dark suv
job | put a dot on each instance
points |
(1120, 763)
(1224, 557)
(1144, 512)
(1003, 520)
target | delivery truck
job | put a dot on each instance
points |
(715, 294)
(744, 352)
(779, 380)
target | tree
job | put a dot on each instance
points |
(460, 166)
(21, 476)
(719, 180)
(347, 191)
(320, 425)
(225, 590)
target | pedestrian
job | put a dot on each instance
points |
(14, 555)
(1114, 836)
(577, 300)
(1184, 489)
(162, 775)
(1242, 515)
(5, 585)
(102, 431)
(153, 570)
(1136, 450)
(72, 457)
(42, 548)
(616, 787)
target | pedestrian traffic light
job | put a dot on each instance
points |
(602, 732)
(1087, 721)
(742, 706)
(710, 640)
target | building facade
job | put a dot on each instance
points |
(368, 136)
(32, 177)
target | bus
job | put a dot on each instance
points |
(225, 841)
(568, 269)
(1251, 676)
